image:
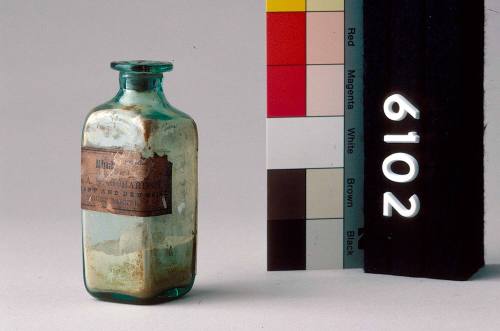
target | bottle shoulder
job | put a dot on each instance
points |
(136, 127)
(163, 112)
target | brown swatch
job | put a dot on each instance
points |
(286, 194)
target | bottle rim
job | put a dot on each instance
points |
(142, 66)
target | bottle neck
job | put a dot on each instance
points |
(141, 89)
(141, 82)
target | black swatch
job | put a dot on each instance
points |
(286, 248)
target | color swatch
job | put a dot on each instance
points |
(307, 112)
(325, 5)
(285, 5)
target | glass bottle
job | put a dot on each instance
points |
(139, 192)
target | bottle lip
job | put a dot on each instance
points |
(142, 66)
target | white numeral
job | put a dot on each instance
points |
(410, 138)
(390, 202)
(400, 178)
(405, 107)
(399, 113)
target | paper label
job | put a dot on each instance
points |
(123, 182)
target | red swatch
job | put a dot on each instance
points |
(286, 91)
(286, 38)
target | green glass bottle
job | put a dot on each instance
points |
(139, 192)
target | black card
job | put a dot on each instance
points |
(424, 209)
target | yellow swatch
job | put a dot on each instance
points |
(285, 5)
(325, 5)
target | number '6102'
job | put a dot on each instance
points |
(391, 202)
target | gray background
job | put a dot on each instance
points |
(54, 58)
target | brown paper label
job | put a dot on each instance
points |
(123, 182)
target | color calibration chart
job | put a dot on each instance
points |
(314, 134)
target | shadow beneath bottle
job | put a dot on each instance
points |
(488, 272)
(228, 293)
(338, 286)
(265, 287)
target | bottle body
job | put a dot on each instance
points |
(139, 199)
